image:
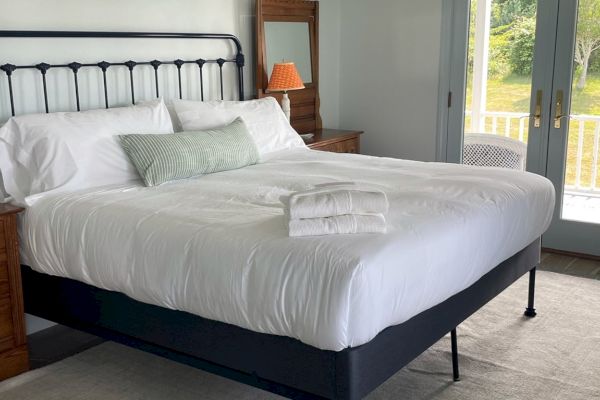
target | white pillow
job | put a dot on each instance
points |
(264, 117)
(173, 114)
(75, 150)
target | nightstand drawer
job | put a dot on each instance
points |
(6, 326)
(345, 146)
(349, 146)
(335, 141)
(2, 236)
(13, 342)
(6, 318)
(4, 284)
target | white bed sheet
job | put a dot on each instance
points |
(217, 246)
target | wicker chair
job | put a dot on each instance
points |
(487, 150)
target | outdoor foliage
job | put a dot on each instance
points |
(521, 45)
(512, 38)
(499, 58)
(588, 37)
(505, 12)
(595, 62)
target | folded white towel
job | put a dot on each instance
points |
(341, 224)
(342, 198)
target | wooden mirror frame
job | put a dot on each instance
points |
(305, 103)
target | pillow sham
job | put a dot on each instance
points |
(40, 153)
(162, 158)
(174, 119)
(264, 117)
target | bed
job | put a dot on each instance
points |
(202, 271)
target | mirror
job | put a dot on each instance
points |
(289, 41)
(289, 30)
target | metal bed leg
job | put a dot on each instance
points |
(530, 310)
(455, 371)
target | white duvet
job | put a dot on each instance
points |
(217, 246)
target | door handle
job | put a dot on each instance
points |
(558, 114)
(537, 116)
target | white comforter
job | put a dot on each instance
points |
(217, 246)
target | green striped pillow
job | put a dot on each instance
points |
(162, 158)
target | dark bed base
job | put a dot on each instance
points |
(275, 363)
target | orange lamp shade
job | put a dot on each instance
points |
(285, 77)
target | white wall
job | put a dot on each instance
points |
(225, 16)
(379, 59)
(131, 15)
(330, 31)
(389, 75)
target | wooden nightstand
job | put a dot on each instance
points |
(13, 347)
(335, 140)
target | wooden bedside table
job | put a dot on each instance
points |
(335, 140)
(13, 347)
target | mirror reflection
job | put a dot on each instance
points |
(289, 41)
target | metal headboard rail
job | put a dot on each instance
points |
(43, 67)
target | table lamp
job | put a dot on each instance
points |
(285, 77)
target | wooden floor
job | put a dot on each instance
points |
(569, 265)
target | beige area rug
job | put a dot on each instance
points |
(503, 356)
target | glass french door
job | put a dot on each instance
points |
(533, 81)
(500, 71)
(574, 132)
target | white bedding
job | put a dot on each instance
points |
(217, 246)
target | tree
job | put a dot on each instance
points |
(522, 44)
(588, 37)
(506, 12)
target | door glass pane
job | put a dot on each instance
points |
(499, 78)
(582, 179)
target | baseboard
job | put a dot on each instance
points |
(571, 254)
(13, 362)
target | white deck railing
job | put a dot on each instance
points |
(585, 179)
(585, 123)
(511, 121)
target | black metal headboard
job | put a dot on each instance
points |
(43, 67)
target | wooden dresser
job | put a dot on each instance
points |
(336, 141)
(13, 347)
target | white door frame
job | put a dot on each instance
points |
(574, 236)
(453, 76)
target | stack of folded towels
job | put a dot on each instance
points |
(337, 208)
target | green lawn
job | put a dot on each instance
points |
(513, 93)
